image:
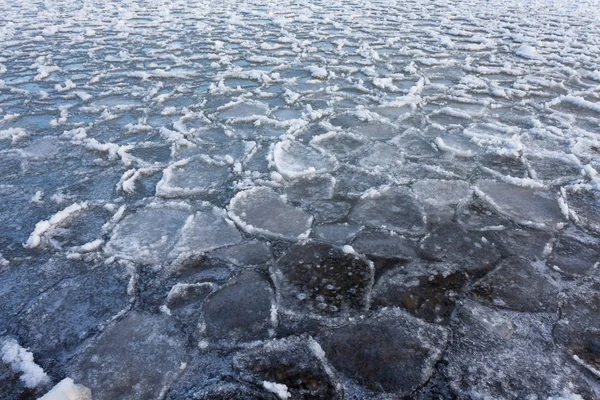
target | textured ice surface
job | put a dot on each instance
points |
(426, 290)
(240, 310)
(148, 234)
(293, 160)
(395, 209)
(206, 231)
(191, 176)
(524, 205)
(137, 357)
(297, 362)
(517, 284)
(303, 200)
(522, 349)
(322, 280)
(452, 243)
(389, 352)
(263, 211)
(164, 232)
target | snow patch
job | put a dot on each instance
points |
(21, 360)
(279, 389)
(43, 227)
(68, 390)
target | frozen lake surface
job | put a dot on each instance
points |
(299, 199)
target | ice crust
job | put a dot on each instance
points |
(282, 199)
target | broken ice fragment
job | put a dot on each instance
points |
(137, 357)
(440, 197)
(451, 243)
(394, 209)
(262, 211)
(76, 308)
(390, 352)
(240, 310)
(319, 187)
(584, 206)
(426, 290)
(340, 144)
(246, 253)
(296, 363)
(191, 176)
(574, 255)
(518, 285)
(526, 362)
(384, 245)
(579, 323)
(525, 206)
(293, 160)
(148, 235)
(319, 279)
(207, 231)
(376, 130)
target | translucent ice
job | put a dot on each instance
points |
(261, 210)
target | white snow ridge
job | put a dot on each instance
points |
(21, 360)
